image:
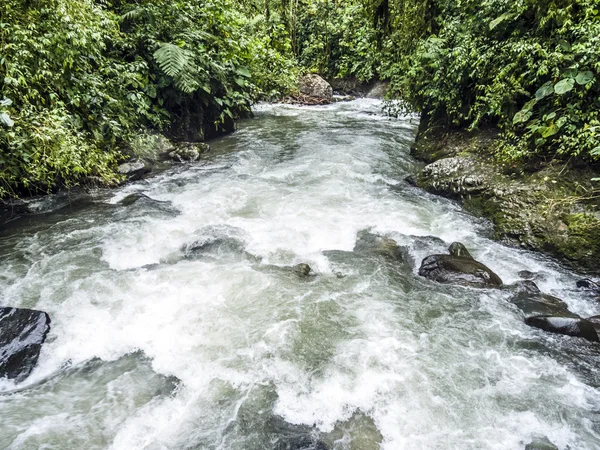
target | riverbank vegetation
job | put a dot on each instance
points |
(81, 80)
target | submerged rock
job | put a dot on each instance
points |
(589, 285)
(22, 333)
(462, 270)
(134, 170)
(380, 245)
(537, 304)
(301, 443)
(302, 270)
(527, 275)
(570, 326)
(315, 86)
(541, 444)
(595, 321)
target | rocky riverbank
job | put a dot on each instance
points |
(552, 209)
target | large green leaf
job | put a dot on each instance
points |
(564, 86)
(546, 90)
(548, 131)
(585, 77)
(522, 116)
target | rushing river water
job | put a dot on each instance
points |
(177, 323)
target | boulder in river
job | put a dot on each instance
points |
(134, 170)
(188, 151)
(458, 268)
(369, 243)
(570, 326)
(541, 444)
(532, 303)
(22, 333)
(315, 86)
(303, 270)
(595, 321)
(589, 285)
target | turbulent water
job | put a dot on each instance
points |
(177, 322)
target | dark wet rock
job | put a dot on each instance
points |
(450, 269)
(570, 326)
(300, 443)
(302, 270)
(458, 268)
(369, 243)
(524, 287)
(187, 151)
(214, 246)
(458, 249)
(12, 209)
(134, 170)
(216, 241)
(537, 304)
(516, 201)
(588, 285)
(134, 198)
(527, 275)
(541, 444)
(22, 333)
(315, 86)
(595, 321)
(411, 180)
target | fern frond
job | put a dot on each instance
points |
(171, 59)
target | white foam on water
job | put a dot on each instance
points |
(434, 367)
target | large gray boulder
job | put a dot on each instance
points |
(22, 333)
(315, 86)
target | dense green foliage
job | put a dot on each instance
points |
(81, 78)
(530, 66)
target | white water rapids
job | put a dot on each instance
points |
(160, 343)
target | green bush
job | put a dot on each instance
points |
(531, 67)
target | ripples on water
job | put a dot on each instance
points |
(176, 324)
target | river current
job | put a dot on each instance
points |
(178, 324)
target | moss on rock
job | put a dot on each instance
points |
(552, 209)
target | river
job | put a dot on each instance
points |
(177, 323)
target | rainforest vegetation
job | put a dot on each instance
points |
(81, 81)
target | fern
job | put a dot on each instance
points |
(176, 62)
(171, 59)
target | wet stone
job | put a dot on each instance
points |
(369, 243)
(22, 333)
(589, 285)
(538, 304)
(541, 444)
(460, 270)
(302, 270)
(301, 443)
(570, 326)
(458, 249)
